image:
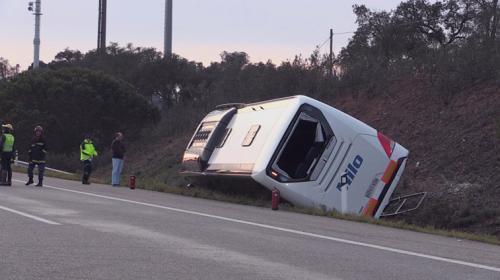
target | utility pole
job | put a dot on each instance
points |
(167, 47)
(101, 32)
(36, 41)
(331, 51)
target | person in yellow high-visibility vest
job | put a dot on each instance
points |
(87, 153)
(7, 146)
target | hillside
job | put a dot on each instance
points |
(427, 74)
(454, 151)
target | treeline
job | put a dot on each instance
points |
(68, 103)
(186, 90)
(449, 44)
(452, 44)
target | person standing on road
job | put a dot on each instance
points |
(118, 156)
(36, 156)
(87, 153)
(7, 146)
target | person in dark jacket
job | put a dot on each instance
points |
(7, 147)
(36, 153)
(118, 156)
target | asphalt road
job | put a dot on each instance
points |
(66, 230)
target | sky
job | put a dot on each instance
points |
(202, 29)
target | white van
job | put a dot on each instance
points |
(302, 147)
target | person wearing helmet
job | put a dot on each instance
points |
(7, 146)
(87, 153)
(36, 154)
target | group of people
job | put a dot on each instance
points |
(38, 150)
(88, 152)
(36, 154)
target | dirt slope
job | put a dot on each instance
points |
(454, 150)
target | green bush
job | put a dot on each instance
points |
(70, 102)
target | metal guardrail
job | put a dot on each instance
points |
(25, 164)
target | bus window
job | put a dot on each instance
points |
(300, 152)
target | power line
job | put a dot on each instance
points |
(319, 46)
(322, 44)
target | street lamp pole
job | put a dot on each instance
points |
(101, 26)
(167, 48)
(36, 41)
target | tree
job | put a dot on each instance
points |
(234, 60)
(69, 102)
(451, 42)
(6, 70)
(69, 56)
(486, 18)
(441, 22)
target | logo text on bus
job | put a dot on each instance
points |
(352, 170)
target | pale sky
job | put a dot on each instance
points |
(202, 29)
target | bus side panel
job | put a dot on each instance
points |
(364, 165)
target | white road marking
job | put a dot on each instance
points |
(299, 232)
(29, 216)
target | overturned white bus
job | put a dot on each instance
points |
(309, 151)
